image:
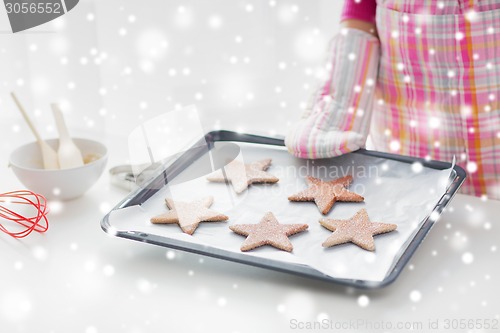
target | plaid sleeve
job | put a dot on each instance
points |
(363, 10)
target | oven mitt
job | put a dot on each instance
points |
(338, 116)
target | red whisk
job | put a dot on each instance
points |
(37, 221)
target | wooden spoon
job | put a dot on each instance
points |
(49, 156)
(68, 154)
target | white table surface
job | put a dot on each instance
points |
(76, 278)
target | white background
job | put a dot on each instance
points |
(246, 65)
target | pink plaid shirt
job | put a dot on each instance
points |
(438, 83)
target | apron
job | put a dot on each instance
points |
(438, 86)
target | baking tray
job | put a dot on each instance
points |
(173, 168)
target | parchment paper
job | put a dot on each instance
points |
(394, 192)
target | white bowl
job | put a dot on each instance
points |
(65, 184)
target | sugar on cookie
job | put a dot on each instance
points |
(188, 215)
(358, 230)
(241, 175)
(268, 232)
(326, 193)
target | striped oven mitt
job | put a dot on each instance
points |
(337, 119)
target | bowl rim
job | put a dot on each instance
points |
(103, 157)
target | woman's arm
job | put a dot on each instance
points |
(338, 116)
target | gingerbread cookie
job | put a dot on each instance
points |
(358, 230)
(188, 215)
(326, 193)
(268, 232)
(241, 175)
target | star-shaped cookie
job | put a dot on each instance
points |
(267, 232)
(358, 230)
(241, 175)
(188, 215)
(326, 193)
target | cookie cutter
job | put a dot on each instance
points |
(126, 177)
